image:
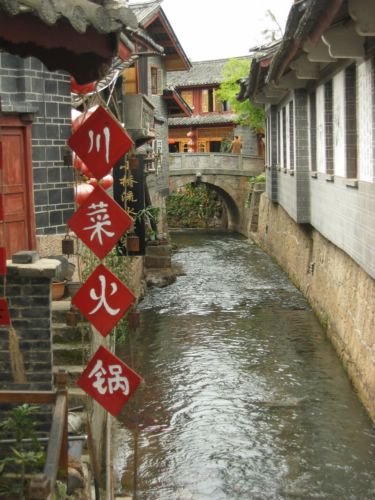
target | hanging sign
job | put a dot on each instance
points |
(109, 380)
(100, 142)
(103, 299)
(100, 222)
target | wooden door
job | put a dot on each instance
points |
(18, 231)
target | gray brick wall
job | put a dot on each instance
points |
(29, 307)
(342, 210)
(27, 86)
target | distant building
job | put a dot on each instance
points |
(208, 125)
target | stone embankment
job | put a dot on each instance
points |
(341, 293)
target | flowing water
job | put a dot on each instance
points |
(243, 397)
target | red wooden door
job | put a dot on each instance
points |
(18, 232)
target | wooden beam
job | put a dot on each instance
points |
(289, 82)
(274, 92)
(344, 42)
(304, 68)
(58, 443)
(318, 53)
(29, 397)
(363, 13)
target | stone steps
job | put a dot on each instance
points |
(71, 349)
(70, 354)
(158, 256)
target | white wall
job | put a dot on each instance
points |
(339, 154)
(365, 122)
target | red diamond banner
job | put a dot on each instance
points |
(4, 313)
(100, 142)
(103, 299)
(100, 222)
(109, 380)
(3, 261)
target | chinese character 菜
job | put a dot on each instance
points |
(100, 219)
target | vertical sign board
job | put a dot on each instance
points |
(137, 202)
(100, 222)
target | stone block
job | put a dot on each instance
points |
(25, 257)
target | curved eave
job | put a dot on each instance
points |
(80, 39)
(176, 104)
(175, 56)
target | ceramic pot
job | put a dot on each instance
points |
(132, 243)
(58, 290)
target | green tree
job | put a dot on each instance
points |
(247, 114)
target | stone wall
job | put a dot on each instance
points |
(26, 86)
(339, 290)
(28, 293)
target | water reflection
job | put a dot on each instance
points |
(244, 398)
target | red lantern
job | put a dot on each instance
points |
(77, 162)
(85, 171)
(106, 182)
(82, 192)
(77, 122)
(84, 88)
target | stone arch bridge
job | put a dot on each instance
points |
(225, 173)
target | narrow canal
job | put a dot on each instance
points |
(244, 398)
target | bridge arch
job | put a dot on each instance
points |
(228, 199)
(227, 174)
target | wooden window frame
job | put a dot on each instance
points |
(154, 70)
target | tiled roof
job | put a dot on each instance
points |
(107, 18)
(205, 119)
(152, 18)
(201, 73)
(145, 10)
(77, 36)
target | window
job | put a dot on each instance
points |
(312, 130)
(351, 121)
(154, 80)
(210, 102)
(130, 81)
(278, 120)
(187, 96)
(291, 134)
(284, 137)
(328, 119)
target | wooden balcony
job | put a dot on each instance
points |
(139, 117)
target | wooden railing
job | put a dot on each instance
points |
(42, 485)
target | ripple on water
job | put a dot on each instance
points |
(244, 398)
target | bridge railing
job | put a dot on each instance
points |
(215, 161)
